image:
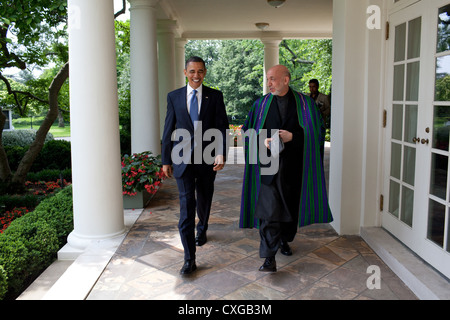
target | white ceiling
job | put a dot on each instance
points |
(228, 19)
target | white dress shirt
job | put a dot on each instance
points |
(189, 97)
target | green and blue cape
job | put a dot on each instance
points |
(314, 207)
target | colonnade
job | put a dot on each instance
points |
(157, 62)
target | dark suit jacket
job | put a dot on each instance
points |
(212, 116)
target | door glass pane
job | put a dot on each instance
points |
(409, 165)
(407, 206)
(412, 81)
(436, 220)
(414, 37)
(400, 42)
(441, 125)
(397, 122)
(443, 43)
(439, 168)
(396, 156)
(442, 79)
(399, 82)
(410, 123)
(394, 198)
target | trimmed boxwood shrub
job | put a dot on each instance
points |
(14, 155)
(9, 202)
(24, 249)
(50, 175)
(23, 138)
(56, 211)
(29, 245)
(55, 154)
(3, 283)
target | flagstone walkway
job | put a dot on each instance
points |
(324, 265)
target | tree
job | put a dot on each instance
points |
(306, 60)
(239, 73)
(124, 83)
(236, 68)
(32, 33)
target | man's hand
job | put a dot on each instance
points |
(267, 142)
(167, 169)
(286, 136)
(219, 163)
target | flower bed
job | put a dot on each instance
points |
(44, 188)
(141, 171)
(235, 133)
(9, 217)
(30, 244)
(18, 205)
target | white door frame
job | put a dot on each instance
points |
(415, 237)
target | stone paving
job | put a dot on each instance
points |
(323, 266)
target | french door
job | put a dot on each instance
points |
(417, 151)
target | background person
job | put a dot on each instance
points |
(322, 101)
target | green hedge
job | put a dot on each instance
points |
(55, 154)
(29, 245)
(23, 138)
(3, 283)
(50, 175)
(9, 202)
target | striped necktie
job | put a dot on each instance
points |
(194, 107)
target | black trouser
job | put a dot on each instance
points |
(196, 189)
(278, 219)
(272, 233)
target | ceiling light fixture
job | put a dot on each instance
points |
(262, 25)
(276, 3)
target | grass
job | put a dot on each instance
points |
(35, 122)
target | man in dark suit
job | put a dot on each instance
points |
(192, 111)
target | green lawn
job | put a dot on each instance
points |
(28, 123)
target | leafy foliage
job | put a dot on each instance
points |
(236, 68)
(3, 283)
(306, 60)
(141, 171)
(21, 138)
(30, 243)
(238, 73)
(32, 33)
(25, 30)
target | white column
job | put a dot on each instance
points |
(94, 119)
(271, 56)
(180, 57)
(145, 132)
(348, 115)
(372, 179)
(166, 64)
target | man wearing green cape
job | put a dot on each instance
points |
(284, 182)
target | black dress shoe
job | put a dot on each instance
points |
(269, 265)
(285, 249)
(188, 267)
(200, 240)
